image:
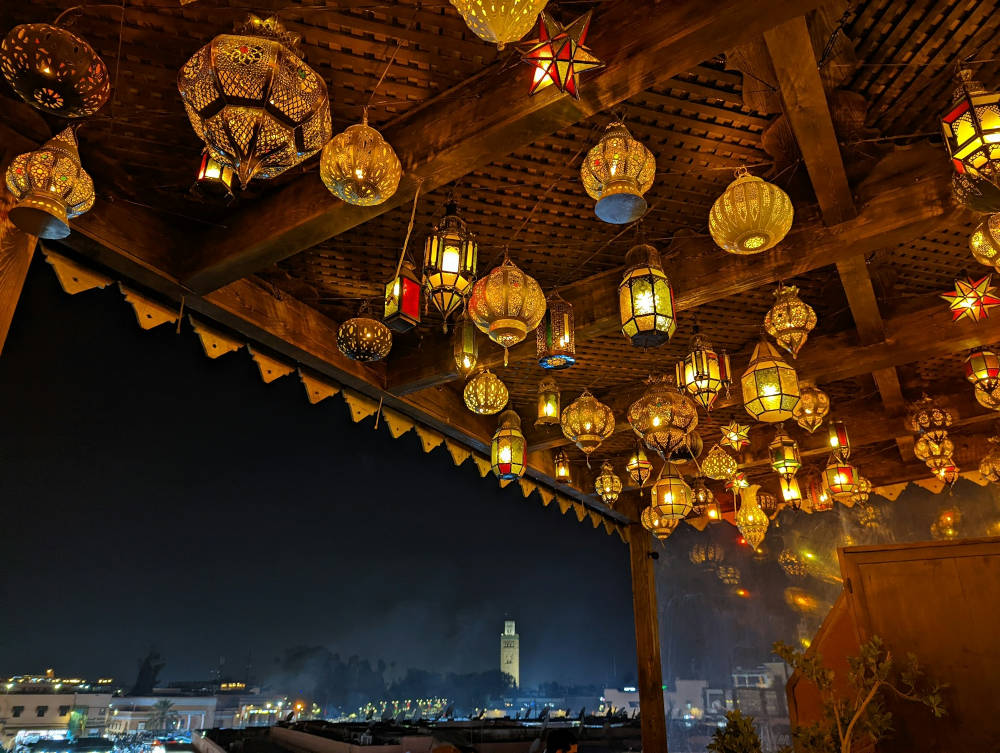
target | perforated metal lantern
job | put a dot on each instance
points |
(770, 386)
(670, 494)
(617, 172)
(989, 466)
(703, 372)
(555, 339)
(982, 368)
(790, 320)
(549, 411)
(450, 258)
(719, 464)
(662, 417)
(971, 129)
(402, 300)
(499, 22)
(506, 304)
(750, 216)
(508, 448)
(638, 466)
(253, 101)
(656, 523)
(562, 467)
(359, 166)
(706, 554)
(705, 504)
(364, 338)
(485, 394)
(465, 346)
(784, 450)
(607, 484)
(586, 422)
(792, 563)
(985, 241)
(750, 519)
(931, 417)
(812, 408)
(645, 299)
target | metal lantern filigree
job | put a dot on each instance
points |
(750, 519)
(586, 422)
(750, 216)
(465, 346)
(670, 494)
(364, 338)
(645, 299)
(555, 339)
(705, 504)
(929, 416)
(549, 410)
(359, 166)
(51, 187)
(54, 70)
(706, 554)
(785, 459)
(617, 172)
(506, 305)
(972, 129)
(989, 466)
(812, 408)
(485, 394)
(450, 258)
(719, 464)
(607, 484)
(982, 368)
(770, 386)
(792, 563)
(728, 575)
(562, 467)
(790, 320)
(638, 466)
(662, 417)
(499, 22)
(703, 372)
(690, 449)
(985, 241)
(508, 448)
(253, 101)
(656, 523)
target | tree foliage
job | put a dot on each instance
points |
(738, 736)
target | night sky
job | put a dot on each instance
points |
(153, 496)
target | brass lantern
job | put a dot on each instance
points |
(607, 485)
(548, 402)
(989, 466)
(587, 422)
(364, 338)
(812, 407)
(982, 368)
(359, 167)
(706, 554)
(215, 180)
(645, 299)
(790, 320)
(705, 505)
(555, 340)
(972, 129)
(985, 241)
(670, 495)
(840, 478)
(662, 417)
(791, 494)
(450, 255)
(770, 385)
(561, 463)
(792, 563)
(507, 450)
(485, 394)
(656, 523)
(253, 101)
(785, 457)
(638, 466)
(767, 503)
(750, 519)
(465, 346)
(499, 23)
(750, 216)
(617, 172)
(703, 372)
(928, 416)
(989, 400)
(719, 464)
(402, 300)
(506, 305)
(51, 187)
(936, 452)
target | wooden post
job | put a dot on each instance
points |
(16, 250)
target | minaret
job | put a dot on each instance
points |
(510, 661)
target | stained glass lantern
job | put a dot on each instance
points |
(54, 70)
(705, 504)
(750, 519)
(706, 555)
(548, 403)
(562, 467)
(485, 394)
(215, 180)
(989, 466)
(812, 408)
(791, 493)
(364, 338)
(656, 523)
(645, 299)
(818, 495)
(560, 55)
(662, 417)
(465, 346)
(253, 101)
(450, 256)
(506, 305)
(555, 340)
(972, 129)
(785, 457)
(770, 386)
(750, 216)
(507, 450)
(359, 167)
(402, 300)
(929, 416)
(728, 575)
(499, 23)
(985, 241)
(703, 372)
(840, 441)
(936, 452)
(982, 368)
(586, 422)
(671, 495)
(51, 187)
(735, 435)
(989, 400)
(607, 485)
(638, 466)
(719, 464)
(792, 563)
(617, 172)
(790, 320)
(840, 478)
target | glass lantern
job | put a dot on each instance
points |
(507, 450)
(215, 180)
(784, 455)
(450, 257)
(645, 299)
(561, 462)
(839, 440)
(555, 340)
(972, 129)
(638, 466)
(465, 346)
(770, 386)
(548, 403)
(703, 372)
(402, 300)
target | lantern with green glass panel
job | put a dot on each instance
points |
(645, 299)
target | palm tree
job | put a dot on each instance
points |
(163, 716)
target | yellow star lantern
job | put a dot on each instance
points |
(735, 435)
(560, 54)
(972, 299)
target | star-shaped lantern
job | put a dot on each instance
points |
(737, 481)
(560, 54)
(735, 435)
(972, 299)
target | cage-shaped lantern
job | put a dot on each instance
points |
(215, 180)
(617, 172)
(770, 386)
(972, 129)
(508, 448)
(506, 304)
(791, 493)
(465, 346)
(931, 417)
(785, 459)
(705, 504)
(402, 300)
(812, 408)
(555, 339)
(989, 466)
(364, 338)
(562, 467)
(703, 372)
(549, 411)
(586, 422)
(607, 484)
(790, 320)
(450, 258)
(982, 368)
(985, 241)
(359, 166)
(750, 216)
(719, 464)
(662, 417)
(750, 519)
(671, 495)
(485, 394)
(645, 299)
(656, 523)
(638, 466)
(840, 478)
(499, 23)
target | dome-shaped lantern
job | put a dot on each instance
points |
(703, 372)
(656, 523)
(719, 464)
(705, 505)
(750, 519)
(508, 448)
(931, 417)
(506, 305)
(555, 339)
(972, 129)
(982, 368)
(812, 408)
(402, 299)
(562, 467)
(662, 417)
(549, 411)
(670, 494)
(985, 241)
(499, 23)
(364, 338)
(359, 166)
(750, 216)
(790, 320)
(645, 299)
(638, 466)
(586, 422)
(465, 346)
(450, 257)
(989, 466)
(607, 485)
(770, 386)
(617, 172)
(485, 394)
(785, 459)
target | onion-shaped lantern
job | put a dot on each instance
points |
(450, 257)
(840, 478)
(929, 416)
(770, 386)
(728, 575)
(506, 305)
(364, 338)
(507, 450)
(253, 101)
(485, 394)
(982, 368)
(706, 554)
(671, 495)
(617, 172)
(792, 563)
(562, 467)
(465, 346)
(586, 422)
(705, 505)
(638, 466)
(791, 493)
(750, 519)
(499, 23)
(985, 241)
(402, 300)
(54, 71)
(989, 466)
(607, 485)
(790, 320)
(785, 457)
(662, 417)
(750, 216)
(555, 339)
(719, 464)
(812, 407)
(656, 523)
(359, 167)
(972, 129)
(703, 372)
(645, 299)
(548, 403)
(51, 187)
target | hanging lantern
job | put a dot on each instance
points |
(215, 180)
(928, 416)
(506, 305)
(485, 394)
(402, 300)
(364, 338)
(54, 70)
(548, 402)
(499, 23)
(862, 492)
(359, 167)
(638, 466)
(735, 435)
(728, 575)
(737, 481)
(936, 452)
(617, 172)
(818, 495)
(450, 255)
(989, 466)
(253, 101)
(972, 299)
(465, 346)
(656, 523)
(507, 449)
(670, 494)
(791, 494)
(840, 478)
(690, 449)
(555, 340)
(770, 386)
(719, 464)
(989, 400)
(982, 368)
(790, 320)
(586, 422)
(51, 187)
(561, 462)
(985, 241)
(750, 519)
(608, 485)
(645, 299)
(706, 555)
(703, 372)
(705, 505)
(662, 417)
(750, 216)
(812, 407)
(972, 129)
(784, 454)
(839, 440)
(792, 563)
(560, 55)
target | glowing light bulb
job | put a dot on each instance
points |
(504, 454)
(450, 259)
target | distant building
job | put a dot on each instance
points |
(139, 713)
(28, 716)
(510, 652)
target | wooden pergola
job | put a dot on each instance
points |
(839, 107)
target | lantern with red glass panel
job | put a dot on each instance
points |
(402, 300)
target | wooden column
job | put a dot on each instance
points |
(16, 250)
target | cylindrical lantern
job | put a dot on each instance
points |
(555, 340)
(770, 386)
(507, 450)
(662, 417)
(465, 346)
(750, 216)
(485, 394)
(790, 320)
(359, 166)
(972, 129)
(450, 257)
(506, 304)
(548, 403)
(785, 457)
(561, 462)
(817, 494)
(607, 485)
(645, 299)
(812, 407)
(703, 372)
(670, 495)
(587, 422)
(982, 368)
(617, 172)
(215, 180)
(638, 466)
(402, 300)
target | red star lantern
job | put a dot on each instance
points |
(560, 54)
(972, 299)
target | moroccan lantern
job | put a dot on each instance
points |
(862, 492)
(656, 523)
(450, 255)
(989, 400)
(215, 180)
(728, 575)
(607, 485)
(586, 422)
(51, 187)
(785, 457)
(364, 338)
(617, 172)
(791, 493)
(839, 440)
(767, 503)
(705, 504)
(840, 478)
(929, 416)
(638, 466)
(671, 495)
(402, 300)
(936, 452)
(54, 70)
(703, 372)
(645, 299)
(253, 101)
(972, 129)
(719, 464)
(770, 386)
(818, 495)
(735, 435)
(985, 241)
(465, 346)
(792, 563)
(507, 450)
(485, 394)
(750, 216)
(499, 23)
(982, 368)
(750, 519)
(706, 554)
(506, 305)
(812, 407)
(561, 463)
(548, 402)
(555, 340)
(989, 466)
(790, 320)
(662, 417)
(359, 167)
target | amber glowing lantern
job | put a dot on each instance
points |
(791, 493)
(792, 563)
(402, 300)
(982, 368)
(972, 129)
(607, 485)
(548, 403)
(656, 523)
(51, 187)
(812, 408)
(750, 519)
(670, 494)
(986, 399)
(364, 338)
(703, 372)
(617, 172)
(499, 23)
(506, 305)
(215, 180)
(719, 464)
(253, 101)
(562, 467)
(705, 504)
(750, 216)
(586, 422)
(555, 339)
(840, 478)
(359, 167)
(450, 257)
(770, 386)
(638, 466)
(465, 347)
(485, 394)
(985, 241)
(790, 320)
(507, 450)
(785, 457)
(735, 435)
(929, 416)
(645, 299)
(662, 417)
(989, 466)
